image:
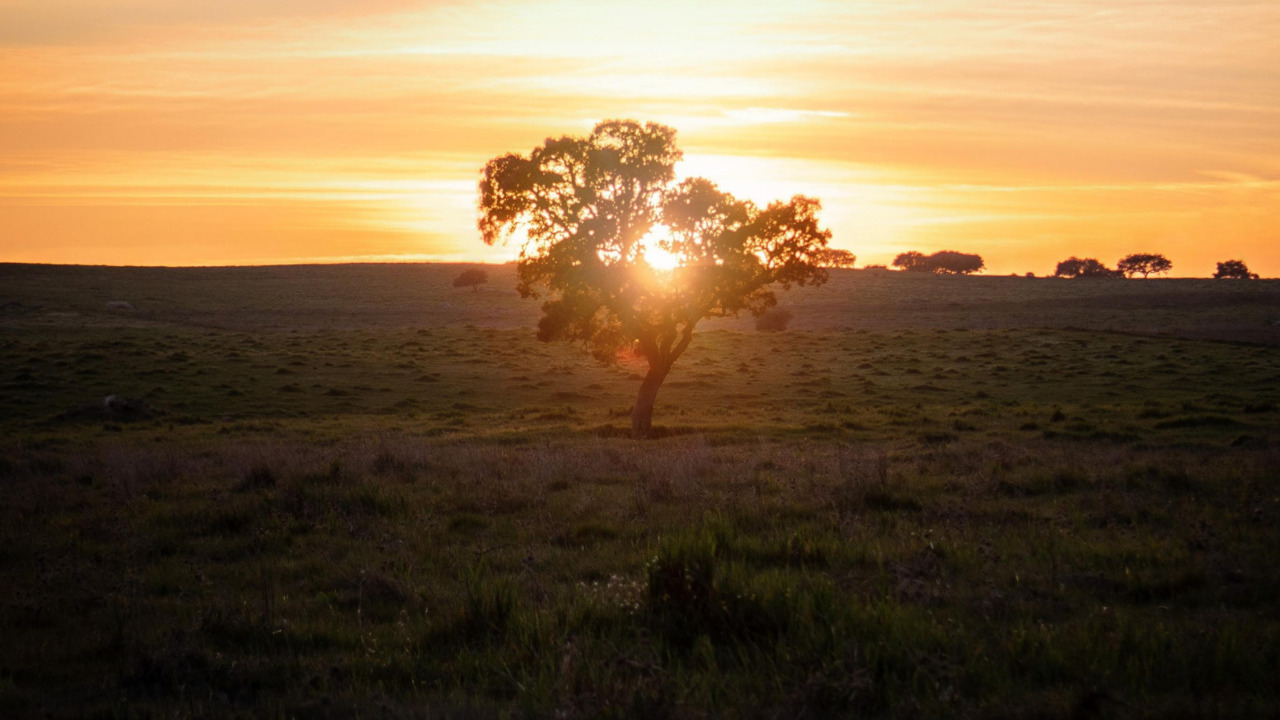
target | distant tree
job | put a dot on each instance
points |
(773, 320)
(835, 258)
(912, 261)
(875, 267)
(950, 262)
(472, 278)
(1075, 267)
(1145, 263)
(943, 262)
(1234, 270)
(586, 207)
(1069, 268)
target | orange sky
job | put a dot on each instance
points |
(178, 132)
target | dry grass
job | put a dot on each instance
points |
(330, 509)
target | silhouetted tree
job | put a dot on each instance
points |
(943, 262)
(912, 261)
(1145, 263)
(950, 262)
(833, 257)
(1234, 270)
(472, 278)
(1071, 267)
(1075, 267)
(587, 206)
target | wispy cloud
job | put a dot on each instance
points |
(920, 122)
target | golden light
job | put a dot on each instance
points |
(302, 132)
(655, 255)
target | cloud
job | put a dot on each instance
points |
(912, 119)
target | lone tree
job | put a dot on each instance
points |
(1145, 263)
(1074, 267)
(943, 262)
(950, 262)
(588, 210)
(1234, 270)
(472, 278)
(836, 258)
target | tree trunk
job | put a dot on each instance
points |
(642, 412)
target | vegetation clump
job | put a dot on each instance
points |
(943, 262)
(1074, 267)
(472, 278)
(835, 258)
(774, 320)
(1234, 270)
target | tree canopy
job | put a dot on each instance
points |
(1074, 267)
(1234, 270)
(1145, 263)
(943, 262)
(912, 261)
(472, 278)
(586, 212)
(836, 258)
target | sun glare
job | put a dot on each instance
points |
(658, 258)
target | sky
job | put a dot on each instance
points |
(195, 132)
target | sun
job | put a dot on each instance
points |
(651, 246)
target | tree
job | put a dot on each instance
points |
(472, 278)
(1074, 267)
(1145, 263)
(950, 262)
(587, 209)
(943, 262)
(1234, 270)
(1071, 267)
(912, 261)
(835, 258)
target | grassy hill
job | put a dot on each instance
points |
(333, 491)
(396, 296)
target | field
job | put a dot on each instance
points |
(357, 491)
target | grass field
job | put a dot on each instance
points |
(357, 491)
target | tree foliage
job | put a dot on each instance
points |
(943, 262)
(472, 278)
(836, 258)
(912, 261)
(1234, 270)
(1145, 263)
(584, 210)
(1074, 267)
(950, 262)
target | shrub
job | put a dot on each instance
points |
(773, 320)
(472, 278)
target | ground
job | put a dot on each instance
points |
(356, 490)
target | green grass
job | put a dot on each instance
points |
(326, 511)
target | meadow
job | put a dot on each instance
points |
(341, 491)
